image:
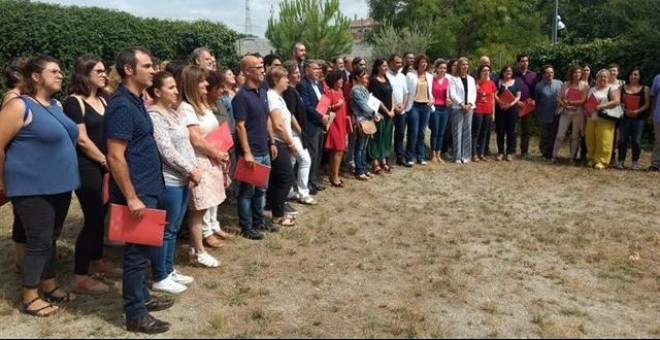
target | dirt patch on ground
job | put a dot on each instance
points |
(519, 249)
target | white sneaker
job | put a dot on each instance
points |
(169, 286)
(307, 200)
(180, 278)
(206, 260)
(635, 166)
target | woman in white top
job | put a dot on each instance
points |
(418, 108)
(571, 110)
(599, 131)
(210, 192)
(281, 173)
(463, 94)
(179, 170)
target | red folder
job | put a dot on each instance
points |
(574, 95)
(630, 101)
(590, 105)
(324, 105)
(527, 108)
(507, 97)
(3, 199)
(146, 230)
(105, 191)
(221, 138)
(257, 175)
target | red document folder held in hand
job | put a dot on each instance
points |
(105, 190)
(527, 108)
(324, 105)
(3, 199)
(574, 95)
(630, 101)
(221, 138)
(507, 97)
(590, 105)
(147, 230)
(257, 175)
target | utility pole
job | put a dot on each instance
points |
(554, 22)
(248, 18)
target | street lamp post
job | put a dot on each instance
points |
(554, 22)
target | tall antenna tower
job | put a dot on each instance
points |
(248, 18)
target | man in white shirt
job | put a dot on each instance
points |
(400, 96)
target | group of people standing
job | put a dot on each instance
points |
(149, 132)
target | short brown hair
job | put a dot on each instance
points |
(34, 65)
(274, 74)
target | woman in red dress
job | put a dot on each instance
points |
(335, 141)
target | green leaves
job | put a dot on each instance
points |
(68, 32)
(323, 29)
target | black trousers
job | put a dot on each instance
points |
(315, 152)
(17, 230)
(89, 245)
(280, 180)
(42, 218)
(505, 124)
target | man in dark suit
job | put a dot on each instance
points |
(311, 90)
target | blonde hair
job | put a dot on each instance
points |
(187, 81)
(605, 71)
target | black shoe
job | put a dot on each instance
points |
(156, 304)
(313, 191)
(268, 226)
(252, 234)
(147, 324)
(319, 187)
(653, 168)
(399, 161)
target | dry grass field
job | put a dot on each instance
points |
(496, 250)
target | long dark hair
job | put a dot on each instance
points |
(82, 69)
(377, 63)
(13, 72)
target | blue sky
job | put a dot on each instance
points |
(229, 12)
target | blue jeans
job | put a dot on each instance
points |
(418, 120)
(399, 134)
(174, 200)
(251, 201)
(438, 124)
(630, 128)
(360, 154)
(134, 291)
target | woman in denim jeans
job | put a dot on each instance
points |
(440, 116)
(632, 123)
(362, 112)
(179, 169)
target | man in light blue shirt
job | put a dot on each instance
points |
(655, 120)
(545, 96)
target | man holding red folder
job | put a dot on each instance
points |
(137, 179)
(255, 145)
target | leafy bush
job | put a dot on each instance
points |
(68, 32)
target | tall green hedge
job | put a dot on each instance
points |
(67, 32)
(600, 53)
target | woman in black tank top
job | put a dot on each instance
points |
(636, 100)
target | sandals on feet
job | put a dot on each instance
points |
(286, 221)
(52, 298)
(25, 308)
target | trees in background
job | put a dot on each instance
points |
(320, 25)
(597, 31)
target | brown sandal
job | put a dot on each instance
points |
(212, 242)
(25, 308)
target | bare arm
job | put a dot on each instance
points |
(272, 147)
(119, 168)
(11, 121)
(89, 148)
(241, 132)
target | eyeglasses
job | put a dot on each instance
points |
(99, 72)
